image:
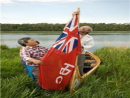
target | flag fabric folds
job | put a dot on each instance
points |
(59, 62)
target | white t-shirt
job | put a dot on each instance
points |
(87, 42)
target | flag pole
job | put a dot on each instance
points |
(76, 69)
(78, 9)
(76, 61)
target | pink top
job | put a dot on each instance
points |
(37, 53)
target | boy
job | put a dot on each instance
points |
(31, 54)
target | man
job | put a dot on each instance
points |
(86, 42)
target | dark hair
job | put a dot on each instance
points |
(24, 40)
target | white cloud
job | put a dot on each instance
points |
(95, 20)
(51, 0)
(59, 20)
(6, 1)
(11, 1)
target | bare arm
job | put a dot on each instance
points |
(35, 61)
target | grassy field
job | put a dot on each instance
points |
(55, 32)
(111, 80)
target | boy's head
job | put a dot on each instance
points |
(27, 41)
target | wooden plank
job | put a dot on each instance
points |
(90, 61)
(77, 79)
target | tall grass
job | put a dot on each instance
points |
(111, 80)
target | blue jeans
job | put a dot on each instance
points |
(25, 67)
(28, 69)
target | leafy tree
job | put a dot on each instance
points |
(60, 27)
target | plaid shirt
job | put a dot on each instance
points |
(37, 53)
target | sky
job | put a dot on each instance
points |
(60, 11)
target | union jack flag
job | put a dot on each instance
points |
(64, 43)
(59, 62)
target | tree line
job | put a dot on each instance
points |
(59, 27)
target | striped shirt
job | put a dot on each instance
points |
(37, 53)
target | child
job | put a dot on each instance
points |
(31, 54)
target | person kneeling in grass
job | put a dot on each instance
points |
(31, 54)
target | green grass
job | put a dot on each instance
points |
(55, 32)
(111, 80)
